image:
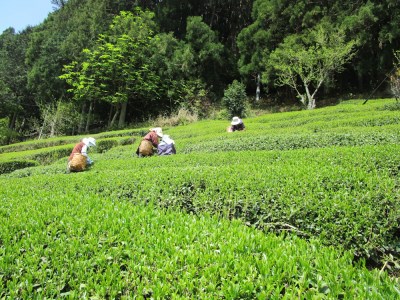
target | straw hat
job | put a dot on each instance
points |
(236, 121)
(157, 130)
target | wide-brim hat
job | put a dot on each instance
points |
(236, 121)
(90, 142)
(85, 141)
(158, 131)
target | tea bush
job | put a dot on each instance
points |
(12, 165)
(61, 243)
(307, 211)
(45, 155)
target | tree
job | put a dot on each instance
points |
(234, 99)
(169, 66)
(305, 61)
(73, 26)
(15, 98)
(272, 21)
(58, 3)
(203, 52)
(116, 70)
(371, 22)
(58, 119)
(395, 77)
(227, 17)
(251, 47)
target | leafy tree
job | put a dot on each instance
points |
(202, 53)
(15, 98)
(395, 77)
(304, 62)
(168, 64)
(116, 70)
(234, 99)
(188, 68)
(370, 22)
(270, 25)
(59, 3)
(58, 119)
(226, 17)
(59, 40)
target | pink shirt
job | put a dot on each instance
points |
(152, 137)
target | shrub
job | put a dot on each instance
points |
(182, 117)
(6, 134)
(395, 77)
(104, 145)
(10, 166)
(48, 156)
(235, 99)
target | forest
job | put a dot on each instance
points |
(96, 65)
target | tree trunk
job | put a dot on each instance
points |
(11, 126)
(89, 115)
(311, 103)
(258, 89)
(42, 128)
(13, 120)
(53, 127)
(82, 120)
(115, 116)
(310, 98)
(110, 115)
(122, 115)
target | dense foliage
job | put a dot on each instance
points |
(96, 64)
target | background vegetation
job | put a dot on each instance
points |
(103, 64)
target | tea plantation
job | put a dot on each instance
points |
(300, 205)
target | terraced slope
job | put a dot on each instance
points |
(295, 207)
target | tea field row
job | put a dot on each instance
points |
(59, 242)
(345, 196)
(301, 205)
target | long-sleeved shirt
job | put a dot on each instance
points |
(238, 127)
(79, 148)
(152, 137)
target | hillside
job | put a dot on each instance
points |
(98, 64)
(301, 205)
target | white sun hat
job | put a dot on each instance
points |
(90, 142)
(235, 121)
(157, 130)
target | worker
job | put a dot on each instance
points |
(79, 159)
(166, 146)
(150, 142)
(236, 125)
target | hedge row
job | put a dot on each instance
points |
(61, 241)
(46, 156)
(343, 195)
(123, 136)
(10, 166)
(293, 141)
